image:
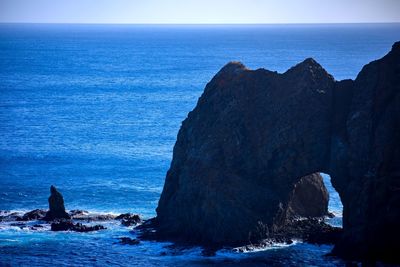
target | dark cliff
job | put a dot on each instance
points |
(253, 134)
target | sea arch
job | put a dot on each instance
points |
(254, 134)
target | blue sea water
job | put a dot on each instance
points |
(95, 110)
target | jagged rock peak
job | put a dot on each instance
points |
(308, 66)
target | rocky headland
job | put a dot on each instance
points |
(240, 156)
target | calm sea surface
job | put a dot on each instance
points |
(95, 110)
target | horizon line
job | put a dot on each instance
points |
(189, 24)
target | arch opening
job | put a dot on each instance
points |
(335, 206)
(314, 196)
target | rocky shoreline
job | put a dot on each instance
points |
(74, 223)
(312, 229)
(58, 219)
(309, 230)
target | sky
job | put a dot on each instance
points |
(199, 11)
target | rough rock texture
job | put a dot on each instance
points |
(9, 216)
(366, 167)
(93, 217)
(36, 214)
(56, 206)
(253, 134)
(77, 213)
(67, 225)
(128, 219)
(310, 197)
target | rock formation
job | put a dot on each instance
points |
(253, 134)
(36, 214)
(309, 197)
(56, 206)
(129, 219)
(68, 225)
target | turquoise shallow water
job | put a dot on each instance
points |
(95, 110)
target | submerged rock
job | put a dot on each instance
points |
(36, 214)
(8, 216)
(73, 213)
(67, 225)
(128, 219)
(253, 134)
(56, 206)
(19, 224)
(93, 217)
(129, 241)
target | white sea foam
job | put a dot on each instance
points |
(263, 246)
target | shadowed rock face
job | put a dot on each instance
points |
(253, 134)
(309, 198)
(366, 164)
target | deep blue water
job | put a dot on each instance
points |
(95, 110)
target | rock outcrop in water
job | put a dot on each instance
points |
(36, 214)
(67, 225)
(56, 206)
(129, 219)
(253, 134)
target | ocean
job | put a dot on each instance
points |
(95, 110)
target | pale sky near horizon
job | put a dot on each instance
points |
(199, 11)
